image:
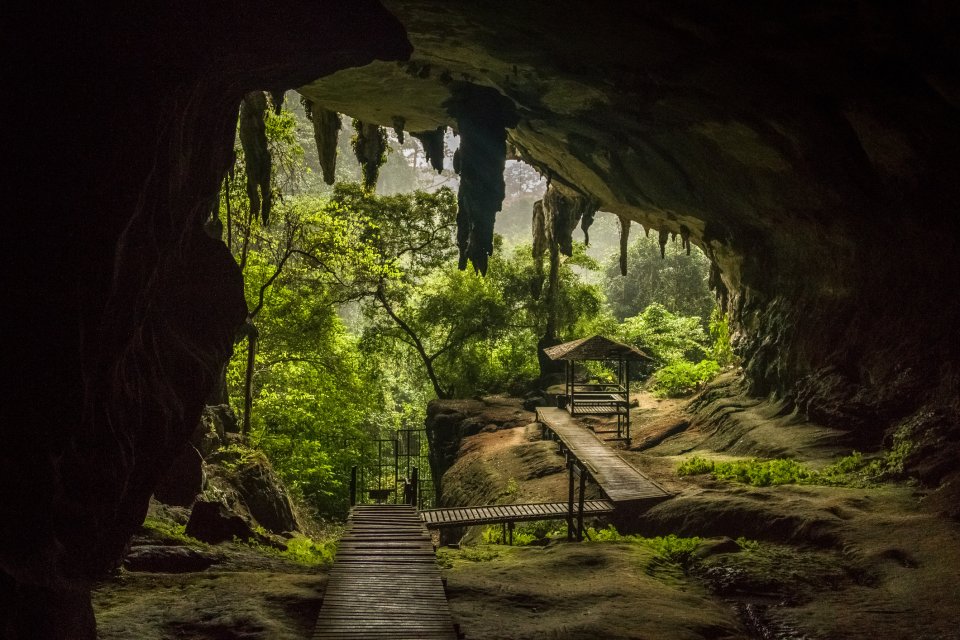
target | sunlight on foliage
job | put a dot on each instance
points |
(853, 470)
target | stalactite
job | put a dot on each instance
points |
(326, 132)
(585, 225)
(277, 97)
(563, 208)
(370, 147)
(253, 139)
(716, 284)
(398, 124)
(482, 117)
(685, 238)
(624, 241)
(539, 249)
(663, 238)
(432, 142)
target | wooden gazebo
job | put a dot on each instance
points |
(603, 398)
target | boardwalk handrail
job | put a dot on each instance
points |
(500, 513)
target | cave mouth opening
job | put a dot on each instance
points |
(363, 276)
(775, 140)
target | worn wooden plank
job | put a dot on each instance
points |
(496, 514)
(385, 582)
(619, 480)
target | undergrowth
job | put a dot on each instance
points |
(170, 531)
(852, 471)
(300, 550)
(669, 548)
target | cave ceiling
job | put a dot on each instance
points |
(742, 124)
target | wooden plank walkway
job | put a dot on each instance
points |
(493, 514)
(620, 481)
(385, 583)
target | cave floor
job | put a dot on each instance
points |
(811, 562)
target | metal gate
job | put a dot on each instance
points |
(393, 467)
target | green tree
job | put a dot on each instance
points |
(677, 281)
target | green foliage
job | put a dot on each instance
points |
(526, 533)
(853, 470)
(747, 544)
(300, 550)
(664, 336)
(670, 548)
(677, 281)
(310, 553)
(170, 532)
(721, 350)
(682, 378)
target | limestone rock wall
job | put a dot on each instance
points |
(124, 310)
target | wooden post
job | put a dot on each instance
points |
(570, 501)
(353, 486)
(415, 487)
(583, 486)
(510, 529)
(627, 385)
(396, 468)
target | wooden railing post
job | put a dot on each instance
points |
(570, 501)
(414, 498)
(583, 486)
(353, 486)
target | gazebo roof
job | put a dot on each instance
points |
(595, 348)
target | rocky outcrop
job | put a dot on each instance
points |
(184, 480)
(265, 497)
(211, 521)
(449, 421)
(167, 559)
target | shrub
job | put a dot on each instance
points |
(853, 470)
(682, 378)
(669, 548)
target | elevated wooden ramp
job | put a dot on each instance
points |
(385, 583)
(624, 485)
(495, 514)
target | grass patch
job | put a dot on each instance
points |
(669, 548)
(853, 470)
(310, 553)
(447, 558)
(170, 532)
(526, 533)
(300, 550)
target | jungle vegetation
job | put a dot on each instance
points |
(358, 315)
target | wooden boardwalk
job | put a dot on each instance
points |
(385, 583)
(620, 481)
(493, 514)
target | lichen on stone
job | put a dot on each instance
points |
(326, 132)
(370, 147)
(253, 140)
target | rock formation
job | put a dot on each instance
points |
(809, 148)
(124, 310)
